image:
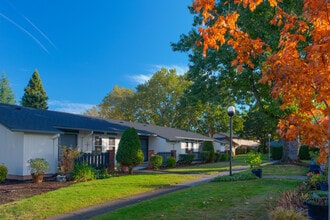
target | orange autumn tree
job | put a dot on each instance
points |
(298, 71)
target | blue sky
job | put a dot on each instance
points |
(83, 48)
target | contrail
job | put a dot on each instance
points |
(42, 33)
(25, 31)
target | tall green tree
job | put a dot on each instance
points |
(217, 75)
(34, 94)
(157, 100)
(129, 150)
(118, 104)
(6, 93)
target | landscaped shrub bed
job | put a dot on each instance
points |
(186, 158)
(156, 161)
(171, 162)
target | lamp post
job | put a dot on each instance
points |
(269, 135)
(231, 113)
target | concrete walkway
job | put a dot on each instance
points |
(93, 211)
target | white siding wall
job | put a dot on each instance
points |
(158, 144)
(219, 147)
(40, 146)
(11, 150)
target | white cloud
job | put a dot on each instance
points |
(69, 107)
(142, 78)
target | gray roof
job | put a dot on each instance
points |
(23, 119)
(170, 134)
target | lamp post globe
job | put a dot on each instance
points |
(231, 112)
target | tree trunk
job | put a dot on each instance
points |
(290, 150)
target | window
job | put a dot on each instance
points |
(187, 147)
(112, 142)
(98, 144)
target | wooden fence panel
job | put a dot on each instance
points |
(97, 161)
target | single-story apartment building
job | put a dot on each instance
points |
(28, 133)
(222, 142)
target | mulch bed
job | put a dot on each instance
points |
(11, 190)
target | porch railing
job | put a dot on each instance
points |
(97, 161)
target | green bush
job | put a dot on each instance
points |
(129, 150)
(208, 146)
(101, 173)
(253, 159)
(3, 173)
(277, 152)
(156, 161)
(240, 150)
(304, 153)
(171, 162)
(38, 165)
(206, 156)
(83, 172)
(186, 158)
(217, 156)
(224, 157)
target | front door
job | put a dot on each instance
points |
(144, 146)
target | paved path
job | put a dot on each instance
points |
(93, 211)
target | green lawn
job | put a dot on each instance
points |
(82, 195)
(212, 168)
(230, 199)
(248, 199)
(238, 162)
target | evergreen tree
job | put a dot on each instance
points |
(6, 94)
(129, 150)
(34, 94)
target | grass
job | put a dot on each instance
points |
(86, 194)
(212, 168)
(239, 162)
(284, 170)
(248, 199)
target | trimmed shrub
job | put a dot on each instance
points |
(171, 162)
(277, 152)
(3, 173)
(129, 150)
(304, 153)
(186, 158)
(156, 161)
(217, 156)
(206, 156)
(208, 146)
(82, 172)
(224, 157)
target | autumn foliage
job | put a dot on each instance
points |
(298, 71)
